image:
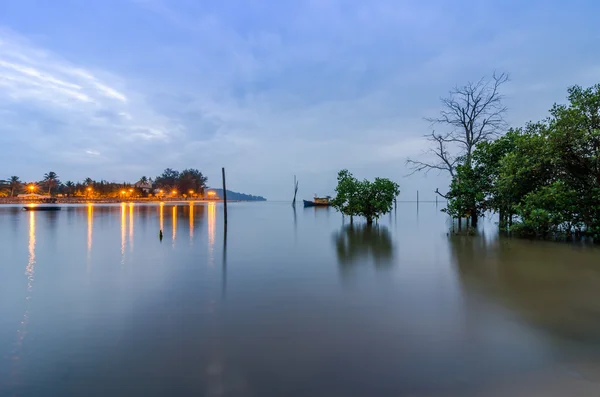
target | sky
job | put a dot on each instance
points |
(118, 89)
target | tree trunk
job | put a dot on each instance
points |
(369, 220)
(502, 223)
(474, 219)
(459, 224)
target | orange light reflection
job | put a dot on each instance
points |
(123, 230)
(174, 223)
(130, 227)
(212, 215)
(191, 221)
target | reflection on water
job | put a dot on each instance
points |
(90, 226)
(357, 243)
(541, 282)
(130, 227)
(174, 224)
(22, 330)
(191, 212)
(123, 231)
(90, 229)
(212, 214)
(456, 312)
(161, 217)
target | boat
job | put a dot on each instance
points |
(318, 202)
(42, 208)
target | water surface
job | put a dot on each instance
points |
(288, 303)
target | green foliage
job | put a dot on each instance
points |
(364, 198)
(545, 177)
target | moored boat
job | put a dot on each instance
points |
(41, 208)
(318, 202)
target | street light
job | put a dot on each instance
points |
(174, 191)
(31, 188)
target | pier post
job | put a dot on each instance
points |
(224, 196)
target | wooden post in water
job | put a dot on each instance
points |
(224, 196)
(295, 190)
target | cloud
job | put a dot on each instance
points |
(57, 109)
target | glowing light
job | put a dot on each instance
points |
(122, 191)
(130, 190)
(31, 188)
(89, 189)
(191, 192)
(174, 192)
(211, 193)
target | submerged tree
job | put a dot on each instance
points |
(472, 114)
(364, 198)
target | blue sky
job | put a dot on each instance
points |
(117, 89)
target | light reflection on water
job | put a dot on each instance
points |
(398, 308)
(212, 215)
(174, 224)
(131, 227)
(191, 215)
(123, 231)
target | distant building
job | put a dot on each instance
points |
(145, 187)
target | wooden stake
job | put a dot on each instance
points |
(295, 190)
(224, 195)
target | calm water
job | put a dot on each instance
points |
(288, 303)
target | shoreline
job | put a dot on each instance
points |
(78, 200)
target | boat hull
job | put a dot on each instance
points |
(41, 208)
(313, 204)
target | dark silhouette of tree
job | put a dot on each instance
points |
(70, 187)
(192, 180)
(14, 184)
(168, 179)
(51, 179)
(472, 114)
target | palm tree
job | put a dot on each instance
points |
(51, 179)
(14, 183)
(88, 181)
(69, 185)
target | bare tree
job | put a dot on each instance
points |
(473, 113)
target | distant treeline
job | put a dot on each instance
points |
(171, 183)
(239, 196)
